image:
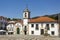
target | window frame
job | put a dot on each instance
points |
(32, 32)
(37, 27)
(47, 27)
(52, 32)
(32, 25)
(52, 25)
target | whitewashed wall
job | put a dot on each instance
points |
(55, 28)
(38, 32)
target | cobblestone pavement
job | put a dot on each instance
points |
(27, 37)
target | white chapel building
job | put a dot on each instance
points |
(37, 26)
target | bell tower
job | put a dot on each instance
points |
(26, 16)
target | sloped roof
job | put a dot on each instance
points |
(20, 21)
(41, 19)
(26, 10)
(4, 19)
(1, 17)
(13, 22)
(37, 20)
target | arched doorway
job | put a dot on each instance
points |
(18, 31)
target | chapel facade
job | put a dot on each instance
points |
(33, 26)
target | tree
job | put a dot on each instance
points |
(8, 18)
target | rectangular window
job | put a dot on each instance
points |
(32, 32)
(32, 25)
(52, 25)
(37, 27)
(52, 32)
(47, 26)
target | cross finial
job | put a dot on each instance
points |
(26, 9)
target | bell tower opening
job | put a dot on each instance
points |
(25, 15)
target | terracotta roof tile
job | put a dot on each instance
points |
(20, 21)
(42, 19)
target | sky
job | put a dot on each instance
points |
(14, 8)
